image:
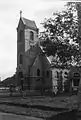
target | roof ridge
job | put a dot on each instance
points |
(27, 19)
(29, 23)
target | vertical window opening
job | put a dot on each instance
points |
(31, 35)
(38, 72)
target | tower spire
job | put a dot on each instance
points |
(20, 13)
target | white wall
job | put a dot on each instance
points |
(64, 75)
(54, 75)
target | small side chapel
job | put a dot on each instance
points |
(32, 64)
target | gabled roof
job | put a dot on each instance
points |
(31, 55)
(29, 23)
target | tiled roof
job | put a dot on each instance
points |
(29, 23)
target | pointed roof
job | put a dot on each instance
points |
(31, 55)
(29, 23)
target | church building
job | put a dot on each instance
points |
(32, 63)
(34, 69)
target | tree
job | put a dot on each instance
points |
(60, 36)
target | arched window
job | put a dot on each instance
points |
(31, 35)
(38, 72)
(21, 59)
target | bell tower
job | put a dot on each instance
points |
(27, 36)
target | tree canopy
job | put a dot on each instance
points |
(60, 36)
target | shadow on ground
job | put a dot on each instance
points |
(64, 116)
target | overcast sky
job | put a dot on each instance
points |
(9, 16)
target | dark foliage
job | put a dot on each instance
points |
(60, 36)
